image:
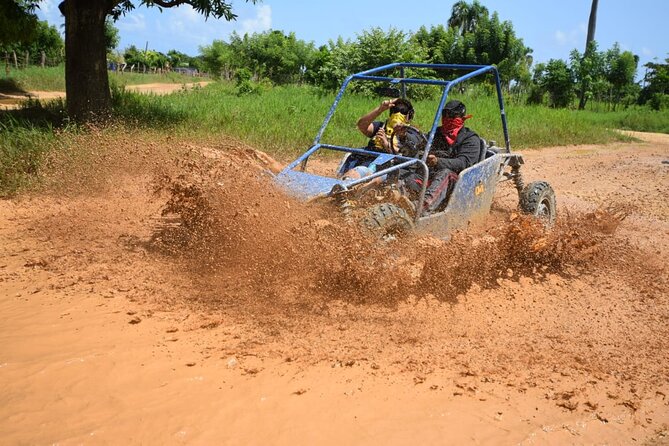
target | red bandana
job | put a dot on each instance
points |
(450, 127)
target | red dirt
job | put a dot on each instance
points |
(162, 302)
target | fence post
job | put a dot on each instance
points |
(26, 62)
(16, 61)
(43, 59)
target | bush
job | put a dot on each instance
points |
(659, 101)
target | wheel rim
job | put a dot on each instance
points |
(543, 210)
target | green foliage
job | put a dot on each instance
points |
(44, 38)
(659, 101)
(112, 37)
(18, 22)
(139, 60)
(273, 55)
(481, 39)
(466, 18)
(557, 79)
(214, 8)
(657, 85)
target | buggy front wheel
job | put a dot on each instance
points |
(387, 220)
(538, 199)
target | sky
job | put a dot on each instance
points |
(552, 30)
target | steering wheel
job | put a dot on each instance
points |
(408, 141)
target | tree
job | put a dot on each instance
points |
(18, 22)
(466, 17)
(86, 77)
(592, 23)
(620, 70)
(588, 69)
(112, 37)
(558, 80)
(589, 40)
(656, 90)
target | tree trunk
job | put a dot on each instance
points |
(592, 24)
(86, 79)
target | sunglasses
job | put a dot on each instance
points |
(450, 113)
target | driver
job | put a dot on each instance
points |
(455, 148)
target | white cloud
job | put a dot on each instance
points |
(261, 22)
(132, 22)
(560, 37)
(571, 37)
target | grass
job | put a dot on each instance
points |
(36, 78)
(22, 152)
(284, 121)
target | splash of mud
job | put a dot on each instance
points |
(239, 233)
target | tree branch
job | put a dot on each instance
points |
(169, 3)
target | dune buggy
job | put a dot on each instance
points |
(386, 206)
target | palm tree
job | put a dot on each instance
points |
(467, 17)
(592, 24)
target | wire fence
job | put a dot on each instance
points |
(24, 59)
(14, 60)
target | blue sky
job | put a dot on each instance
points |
(552, 30)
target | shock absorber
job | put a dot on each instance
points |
(517, 177)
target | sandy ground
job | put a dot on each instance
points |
(10, 102)
(109, 339)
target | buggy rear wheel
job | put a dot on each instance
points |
(387, 220)
(538, 199)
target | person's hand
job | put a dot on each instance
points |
(382, 138)
(385, 105)
(431, 160)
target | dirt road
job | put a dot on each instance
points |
(118, 330)
(12, 101)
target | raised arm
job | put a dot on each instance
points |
(365, 123)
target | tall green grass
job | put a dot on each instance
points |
(23, 147)
(286, 119)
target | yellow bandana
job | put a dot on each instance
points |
(392, 121)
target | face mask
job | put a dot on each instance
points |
(393, 120)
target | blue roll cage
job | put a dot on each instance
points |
(372, 75)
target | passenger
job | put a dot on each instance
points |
(401, 113)
(379, 132)
(455, 148)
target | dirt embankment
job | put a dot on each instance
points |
(180, 298)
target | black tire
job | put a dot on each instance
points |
(386, 219)
(538, 199)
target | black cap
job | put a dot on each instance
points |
(454, 108)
